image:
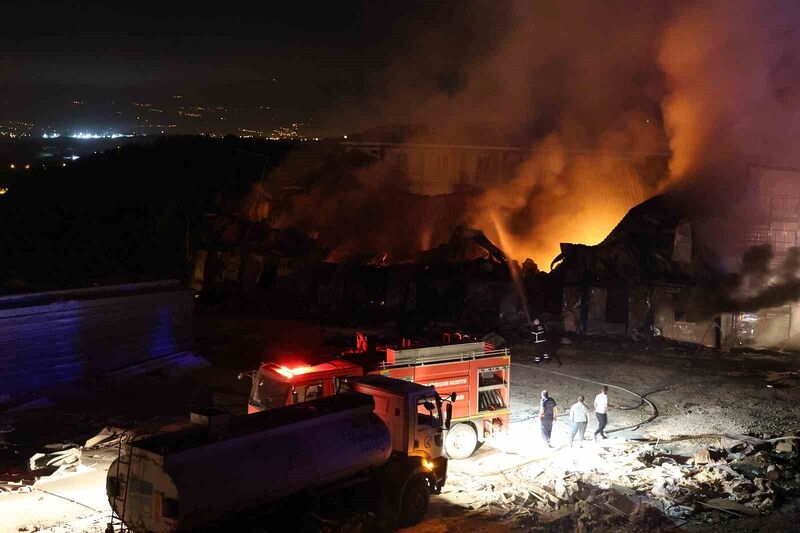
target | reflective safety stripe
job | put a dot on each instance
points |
(493, 414)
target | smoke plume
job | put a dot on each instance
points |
(602, 94)
(734, 99)
(580, 84)
(764, 282)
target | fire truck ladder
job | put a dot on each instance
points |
(427, 359)
(116, 525)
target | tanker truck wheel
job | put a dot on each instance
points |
(460, 441)
(414, 505)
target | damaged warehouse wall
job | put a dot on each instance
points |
(674, 318)
(636, 310)
(64, 336)
(669, 312)
(653, 276)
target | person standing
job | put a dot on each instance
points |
(579, 416)
(539, 333)
(548, 410)
(601, 411)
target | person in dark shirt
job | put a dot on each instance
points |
(548, 410)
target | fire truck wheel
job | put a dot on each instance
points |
(461, 441)
(416, 497)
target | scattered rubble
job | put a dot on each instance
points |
(635, 486)
(108, 436)
(52, 460)
(21, 484)
(55, 457)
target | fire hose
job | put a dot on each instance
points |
(642, 400)
(642, 397)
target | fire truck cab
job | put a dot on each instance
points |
(276, 385)
(477, 374)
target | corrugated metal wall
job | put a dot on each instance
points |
(58, 337)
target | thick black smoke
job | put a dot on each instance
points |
(764, 283)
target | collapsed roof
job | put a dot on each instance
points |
(653, 243)
(465, 244)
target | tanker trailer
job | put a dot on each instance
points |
(222, 466)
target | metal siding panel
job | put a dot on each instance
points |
(52, 343)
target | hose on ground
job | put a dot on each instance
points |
(642, 397)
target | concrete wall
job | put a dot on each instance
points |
(675, 314)
(667, 307)
(65, 336)
(673, 310)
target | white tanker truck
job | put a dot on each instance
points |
(387, 431)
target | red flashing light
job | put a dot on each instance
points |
(291, 372)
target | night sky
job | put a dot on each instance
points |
(314, 60)
(579, 67)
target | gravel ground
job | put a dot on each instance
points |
(694, 393)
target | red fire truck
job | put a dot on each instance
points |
(478, 374)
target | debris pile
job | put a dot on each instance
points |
(51, 460)
(636, 486)
(55, 458)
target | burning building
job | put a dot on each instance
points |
(525, 189)
(643, 277)
(669, 270)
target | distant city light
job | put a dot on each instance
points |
(345, 136)
(72, 157)
(3, 190)
(12, 166)
(28, 166)
(86, 135)
(90, 135)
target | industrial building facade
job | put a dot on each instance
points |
(647, 277)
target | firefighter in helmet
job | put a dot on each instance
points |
(539, 333)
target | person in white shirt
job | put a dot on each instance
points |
(579, 416)
(601, 410)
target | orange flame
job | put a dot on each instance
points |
(562, 198)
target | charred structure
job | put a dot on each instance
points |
(670, 269)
